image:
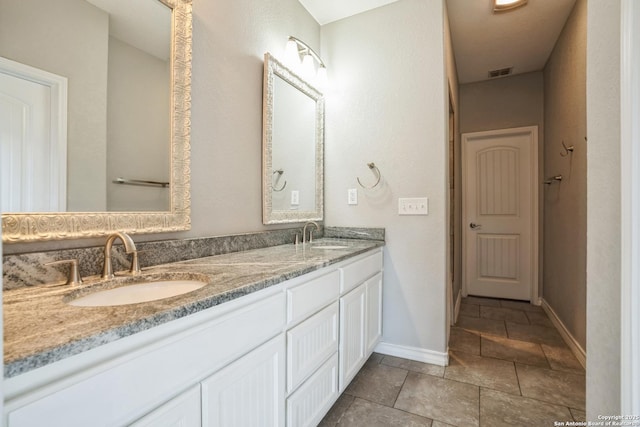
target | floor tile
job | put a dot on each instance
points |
(487, 326)
(365, 413)
(377, 383)
(534, 333)
(469, 310)
(561, 358)
(440, 399)
(557, 387)
(437, 423)
(502, 409)
(481, 301)
(374, 359)
(577, 415)
(463, 340)
(337, 411)
(521, 305)
(502, 313)
(412, 365)
(538, 318)
(482, 371)
(516, 351)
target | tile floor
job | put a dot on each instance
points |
(508, 366)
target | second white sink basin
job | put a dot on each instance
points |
(138, 292)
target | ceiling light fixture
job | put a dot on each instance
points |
(297, 49)
(504, 5)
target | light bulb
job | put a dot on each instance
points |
(291, 55)
(308, 69)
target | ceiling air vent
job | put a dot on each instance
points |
(500, 73)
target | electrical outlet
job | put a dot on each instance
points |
(295, 197)
(352, 196)
(413, 206)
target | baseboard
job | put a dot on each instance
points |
(456, 309)
(413, 353)
(575, 347)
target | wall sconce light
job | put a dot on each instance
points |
(297, 49)
(504, 5)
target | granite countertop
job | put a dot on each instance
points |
(41, 328)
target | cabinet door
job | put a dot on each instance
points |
(374, 311)
(352, 334)
(310, 344)
(250, 391)
(181, 411)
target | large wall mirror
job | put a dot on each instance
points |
(95, 107)
(293, 141)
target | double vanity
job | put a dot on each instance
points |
(272, 338)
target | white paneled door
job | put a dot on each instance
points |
(500, 213)
(33, 139)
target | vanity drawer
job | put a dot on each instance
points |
(357, 272)
(309, 297)
(310, 343)
(309, 404)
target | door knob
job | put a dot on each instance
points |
(475, 226)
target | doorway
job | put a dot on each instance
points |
(500, 213)
(33, 135)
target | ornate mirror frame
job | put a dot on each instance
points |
(273, 68)
(30, 227)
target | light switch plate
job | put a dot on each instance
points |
(413, 206)
(352, 196)
(295, 197)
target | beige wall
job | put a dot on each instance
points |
(503, 103)
(44, 34)
(137, 128)
(388, 105)
(565, 208)
(603, 208)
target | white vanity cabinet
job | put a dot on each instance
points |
(279, 356)
(124, 381)
(325, 351)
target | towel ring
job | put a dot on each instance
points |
(279, 172)
(376, 171)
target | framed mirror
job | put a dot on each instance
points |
(292, 147)
(117, 147)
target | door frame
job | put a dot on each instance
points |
(535, 235)
(630, 208)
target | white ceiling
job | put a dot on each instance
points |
(326, 11)
(522, 38)
(141, 23)
(482, 40)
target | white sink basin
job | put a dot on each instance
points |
(138, 292)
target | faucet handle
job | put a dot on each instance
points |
(74, 278)
(135, 264)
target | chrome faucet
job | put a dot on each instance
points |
(304, 232)
(130, 248)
